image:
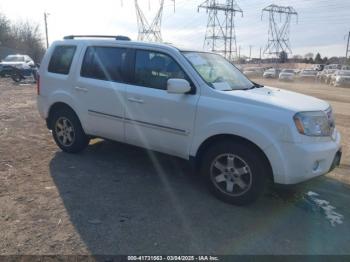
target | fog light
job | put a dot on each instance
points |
(316, 165)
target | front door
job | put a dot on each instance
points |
(156, 119)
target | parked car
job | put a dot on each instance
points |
(318, 67)
(15, 61)
(194, 105)
(271, 73)
(328, 75)
(308, 75)
(287, 75)
(333, 66)
(341, 78)
(345, 67)
(253, 71)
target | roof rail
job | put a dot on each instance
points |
(118, 37)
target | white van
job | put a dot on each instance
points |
(194, 105)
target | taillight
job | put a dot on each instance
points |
(38, 85)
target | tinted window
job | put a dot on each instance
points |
(154, 69)
(61, 59)
(105, 63)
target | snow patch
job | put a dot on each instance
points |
(326, 208)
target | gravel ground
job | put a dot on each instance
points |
(111, 200)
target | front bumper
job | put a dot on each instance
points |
(293, 163)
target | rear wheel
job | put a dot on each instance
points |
(67, 131)
(236, 172)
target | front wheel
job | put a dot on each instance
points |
(67, 131)
(236, 172)
(16, 77)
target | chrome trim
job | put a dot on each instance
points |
(96, 113)
(143, 123)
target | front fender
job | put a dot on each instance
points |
(258, 135)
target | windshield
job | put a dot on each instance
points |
(14, 58)
(288, 71)
(309, 72)
(217, 71)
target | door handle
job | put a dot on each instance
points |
(135, 100)
(83, 89)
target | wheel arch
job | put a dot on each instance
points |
(55, 107)
(238, 139)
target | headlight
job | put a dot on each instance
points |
(313, 123)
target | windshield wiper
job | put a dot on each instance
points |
(255, 85)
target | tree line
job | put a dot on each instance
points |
(24, 37)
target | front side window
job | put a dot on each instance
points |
(61, 59)
(217, 71)
(105, 63)
(154, 69)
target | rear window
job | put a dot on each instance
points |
(61, 59)
(105, 63)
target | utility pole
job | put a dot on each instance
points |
(46, 30)
(347, 47)
(250, 52)
(279, 29)
(260, 55)
(220, 35)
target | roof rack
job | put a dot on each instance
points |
(118, 37)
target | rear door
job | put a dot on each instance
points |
(101, 88)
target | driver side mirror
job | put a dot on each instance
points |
(178, 86)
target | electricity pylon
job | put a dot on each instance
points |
(149, 32)
(220, 36)
(279, 28)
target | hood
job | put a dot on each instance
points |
(306, 75)
(293, 101)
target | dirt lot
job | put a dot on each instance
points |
(111, 200)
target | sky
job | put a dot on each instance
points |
(322, 26)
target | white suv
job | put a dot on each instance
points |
(194, 105)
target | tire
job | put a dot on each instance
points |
(236, 172)
(16, 77)
(67, 131)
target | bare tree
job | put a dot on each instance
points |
(22, 36)
(5, 30)
(28, 38)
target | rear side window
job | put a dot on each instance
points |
(61, 59)
(105, 63)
